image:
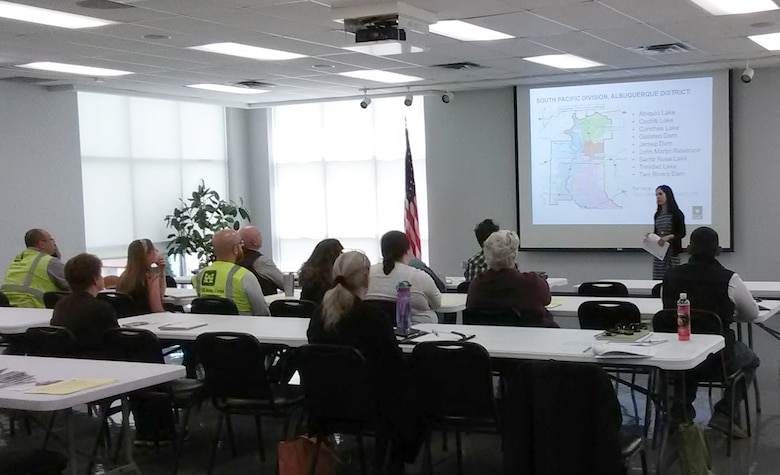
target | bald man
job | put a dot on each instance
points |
(38, 269)
(269, 276)
(223, 278)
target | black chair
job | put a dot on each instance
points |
(506, 317)
(602, 289)
(123, 304)
(384, 307)
(4, 300)
(605, 314)
(50, 341)
(37, 462)
(713, 373)
(564, 418)
(50, 299)
(214, 306)
(338, 393)
(463, 287)
(292, 308)
(454, 382)
(170, 282)
(656, 290)
(238, 384)
(143, 346)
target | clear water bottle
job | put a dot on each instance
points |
(403, 307)
(684, 318)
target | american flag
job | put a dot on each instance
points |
(411, 221)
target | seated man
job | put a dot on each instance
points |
(224, 278)
(38, 269)
(263, 267)
(710, 286)
(80, 312)
(476, 263)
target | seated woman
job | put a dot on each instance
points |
(80, 312)
(145, 285)
(315, 275)
(502, 286)
(345, 319)
(396, 253)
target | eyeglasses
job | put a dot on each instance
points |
(625, 329)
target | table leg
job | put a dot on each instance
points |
(459, 317)
(72, 461)
(755, 380)
(667, 422)
(128, 440)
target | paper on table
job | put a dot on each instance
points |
(181, 326)
(623, 350)
(650, 244)
(554, 303)
(70, 386)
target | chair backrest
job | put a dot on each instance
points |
(123, 304)
(454, 380)
(132, 344)
(214, 306)
(170, 282)
(50, 341)
(384, 307)
(602, 289)
(604, 314)
(50, 299)
(292, 308)
(463, 287)
(336, 385)
(656, 290)
(234, 364)
(702, 321)
(568, 409)
(506, 317)
(4, 302)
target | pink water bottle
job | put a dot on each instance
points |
(684, 318)
(403, 308)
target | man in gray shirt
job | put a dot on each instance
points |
(263, 267)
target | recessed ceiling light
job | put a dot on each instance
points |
(230, 89)
(155, 36)
(246, 51)
(460, 30)
(733, 7)
(323, 66)
(44, 16)
(380, 76)
(384, 48)
(563, 61)
(770, 41)
(74, 69)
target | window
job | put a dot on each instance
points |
(138, 157)
(338, 172)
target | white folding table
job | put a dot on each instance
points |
(15, 321)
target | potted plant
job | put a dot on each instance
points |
(198, 218)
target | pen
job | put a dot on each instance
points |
(587, 349)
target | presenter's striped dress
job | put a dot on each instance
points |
(663, 226)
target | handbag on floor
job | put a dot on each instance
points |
(693, 451)
(295, 456)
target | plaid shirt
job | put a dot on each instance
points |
(475, 266)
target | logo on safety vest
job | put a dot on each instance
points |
(209, 278)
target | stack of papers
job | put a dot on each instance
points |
(14, 378)
(70, 386)
(650, 244)
(641, 335)
(623, 350)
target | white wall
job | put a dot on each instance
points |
(40, 169)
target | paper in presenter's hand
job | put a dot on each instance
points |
(650, 244)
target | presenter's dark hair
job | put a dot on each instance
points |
(82, 270)
(484, 230)
(704, 242)
(394, 246)
(671, 202)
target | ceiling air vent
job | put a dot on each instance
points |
(663, 48)
(105, 4)
(253, 84)
(459, 66)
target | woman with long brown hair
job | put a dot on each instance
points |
(315, 275)
(145, 285)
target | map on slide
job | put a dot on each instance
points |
(583, 160)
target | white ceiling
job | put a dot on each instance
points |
(607, 31)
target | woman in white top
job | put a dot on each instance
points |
(383, 278)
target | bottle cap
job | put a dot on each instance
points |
(404, 284)
(683, 295)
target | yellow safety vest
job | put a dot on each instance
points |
(27, 279)
(223, 279)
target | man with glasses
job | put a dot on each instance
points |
(38, 269)
(224, 278)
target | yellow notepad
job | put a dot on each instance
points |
(70, 386)
(554, 303)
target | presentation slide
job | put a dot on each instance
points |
(593, 155)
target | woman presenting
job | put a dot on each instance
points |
(670, 227)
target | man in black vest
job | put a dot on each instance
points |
(710, 286)
(263, 267)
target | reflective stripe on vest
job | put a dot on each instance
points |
(223, 279)
(27, 279)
